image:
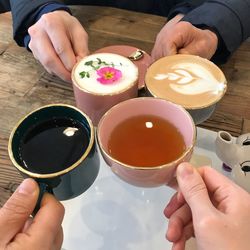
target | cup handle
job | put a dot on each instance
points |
(43, 187)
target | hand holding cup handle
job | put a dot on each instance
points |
(67, 176)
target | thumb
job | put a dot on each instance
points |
(17, 210)
(194, 190)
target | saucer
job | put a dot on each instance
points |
(142, 61)
(113, 215)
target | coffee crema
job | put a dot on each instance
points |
(146, 141)
(188, 80)
(105, 73)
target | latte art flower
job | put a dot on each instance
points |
(108, 75)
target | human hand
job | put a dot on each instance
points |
(19, 231)
(58, 40)
(211, 207)
(179, 37)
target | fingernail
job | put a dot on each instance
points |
(27, 187)
(185, 170)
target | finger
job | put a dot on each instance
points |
(187, 234)
(179, 245)
(223, 191)
(194, 190)
(60, 40)
(59, 239)
(43, 51)
(192, 49)
(203, 43)
(164, 47)
(173, 183)
(177, 222)
(47, 222)
(179, 38)
(156, 53)
(79, 34)
(27, 224)
(17, 210)
(175, 203)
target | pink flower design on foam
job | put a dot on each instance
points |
(108, 75)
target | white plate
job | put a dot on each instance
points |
(113, 215)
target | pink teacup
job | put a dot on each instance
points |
(149, 107)
(102, 80)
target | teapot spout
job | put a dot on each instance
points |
(226, 148)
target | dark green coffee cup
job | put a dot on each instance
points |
(55, 145)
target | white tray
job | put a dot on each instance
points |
(113, 215)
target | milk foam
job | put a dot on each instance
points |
(91, 84)
(191, 79)
(188, 80)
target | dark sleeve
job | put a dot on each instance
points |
(183, 7)
(23, 15)
(4, 6)
(230, 19)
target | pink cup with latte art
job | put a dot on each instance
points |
(102, 80)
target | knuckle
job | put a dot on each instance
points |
(203, 44)
(16, 206)
(60, 209)
(47, 62)
(196, 190)
(85, 34)
(207, 222)
(32, 30)
(59, 49)
(48, 20)
(184, 26)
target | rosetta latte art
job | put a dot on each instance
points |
(191, 80)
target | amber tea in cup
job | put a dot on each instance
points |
(143, 140)
(146, 141)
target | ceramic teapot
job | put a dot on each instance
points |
(235, 155)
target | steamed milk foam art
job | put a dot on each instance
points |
(190, 81)
(102, 80)
(105, 73)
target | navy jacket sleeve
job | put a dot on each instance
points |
(23, 12)
(230, 19)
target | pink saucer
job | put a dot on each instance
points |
(125, 50)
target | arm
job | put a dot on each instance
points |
(49, 30)
(4, 6)
(229, 19)
(24, 15)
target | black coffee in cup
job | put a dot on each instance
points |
(53, 145)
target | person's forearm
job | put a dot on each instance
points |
(229, 18)
(23, 16)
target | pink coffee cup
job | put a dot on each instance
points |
(102, 80)
(146, 176)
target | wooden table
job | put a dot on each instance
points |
(24, 85)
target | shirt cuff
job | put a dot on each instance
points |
(182, 8)
(50, 7)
